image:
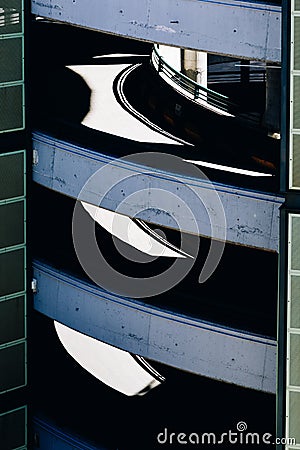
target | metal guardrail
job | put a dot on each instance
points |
(234, 77)
(206, 97)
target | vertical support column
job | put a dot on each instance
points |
(13, 304)
(194, 66)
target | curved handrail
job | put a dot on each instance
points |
(207, 97)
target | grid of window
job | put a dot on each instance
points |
(13, 330)
(293, 332)
(13, 353)
(294, 177)
(12, 66)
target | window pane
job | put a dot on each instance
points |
(12, 313)
(296, 102)
(12, 277)
(11, 175)
(11, 224)
(12, 367)
(12, 429)
(295, 246)
(296, 161)
(296, 43)
(294, 416)
(10, 16)
(295, 359)
(295, 301)
(11, 111)
(11, 60)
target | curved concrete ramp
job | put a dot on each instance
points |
(243, 29)
(200, 347)
(252, 218)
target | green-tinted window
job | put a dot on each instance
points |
(297, 5)
(296, 161)
(11, 108)
(12, 278)
(294, 416)
(295, 301)
(12, 429)
(11, 16)
(297, 43)
(293, 329)
(296, 102)
(295, 359)
(11, 54)
(295, 247)
(12, 313)
(12, 367)
(11, 175)
(11, 224)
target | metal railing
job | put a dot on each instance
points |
(258, 76)
(206, 97)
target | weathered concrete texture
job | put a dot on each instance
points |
(252, 218)
(194, 66)
(199, 347)
(243, 29)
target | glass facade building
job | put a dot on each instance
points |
(13, 278)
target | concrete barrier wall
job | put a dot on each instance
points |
(252, 218)
(190, 344)
(244, 29)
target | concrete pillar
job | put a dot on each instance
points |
(194, 66)
(271, 119)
